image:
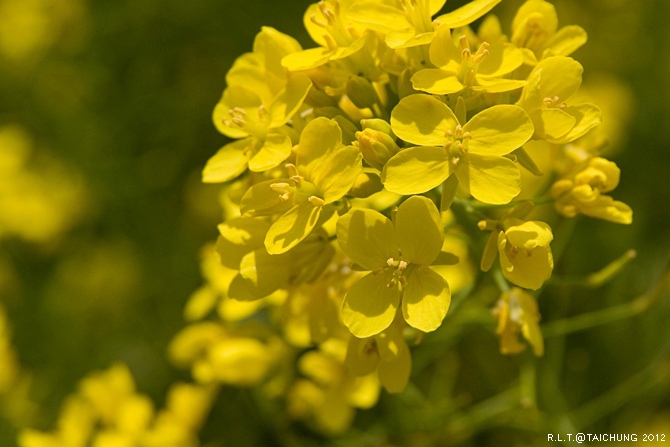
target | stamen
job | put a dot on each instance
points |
(316, 201)
(317, 22)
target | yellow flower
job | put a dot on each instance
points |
(459, 69)
(398, 257)
(473, 152)
(259, 101)
(535, 28)
(517, 311)
(386, 353)
(523, 246)
(330, 392)
(241, 357)
(550, 86)
(325, 171)
(582, 193)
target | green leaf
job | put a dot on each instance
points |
(498, 130)
(370, 305)
(423, 120)
(419, 230)
(228, 163)
(416, 170)
(494, 180)
(292, 227)
(367, 237)
(426, 299)
(275, 150)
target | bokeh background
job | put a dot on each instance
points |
(105, 124)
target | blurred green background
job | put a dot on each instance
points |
(112, 102)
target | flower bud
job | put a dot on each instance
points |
(377, 147)
(361, 92)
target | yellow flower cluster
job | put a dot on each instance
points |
(354, 168)
(106, 411)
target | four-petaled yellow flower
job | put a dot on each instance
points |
(473, 152)
(398, 256)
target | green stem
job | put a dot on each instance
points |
(609, 315)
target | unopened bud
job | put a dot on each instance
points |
(377, 147)
(361, 92)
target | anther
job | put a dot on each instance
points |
(317, 22)
(390, 262)
(316, 201)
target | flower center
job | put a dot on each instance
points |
(400, 266)
(470, 62)
(456, 143)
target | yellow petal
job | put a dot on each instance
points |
(370, 305)
(319, 137)
(503, 58)
(443, 53)
(408, 38)
(416, 170)
(551, 124)
(229, 162)
(367, 237)
(587, 116)
(292, 227)
(436, 81)
(238, 237)
(395, 366)
(419, 230)
(567, 40)
(262, 200)
(467, 14)
(336, 172)
(289, 99)
(525, 268)
(426, 299)
(494, 180)
(528, 235)
(422, 120)
(362, 356)
(306, 59)
(264, 273)
(270, 46)
(378, 16)
(498, 130)
(275, 150)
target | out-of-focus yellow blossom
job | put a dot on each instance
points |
(458, 68)
(241, 356)
(551, 84)
(517, 312)
(259, 101)
(107, 412)
(398, 256)
(28, 28)
(9, 365)
(473, 152)
(387, 353)
(40, 198)
(583, 193)
(311, 313)
(535, 28)
(330, 392)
